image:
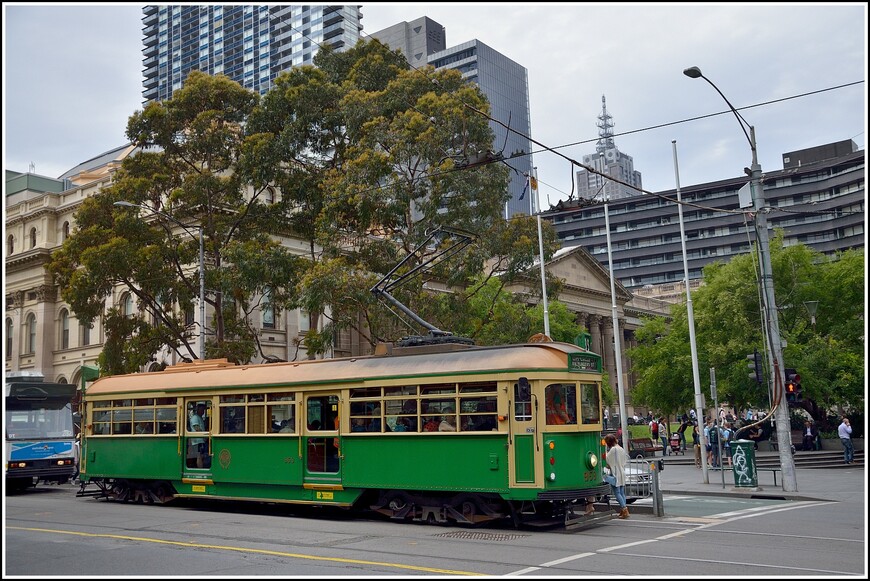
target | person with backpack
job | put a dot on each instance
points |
(654, 432)
(727, 437)
(713, 439)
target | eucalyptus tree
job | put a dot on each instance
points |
(729, 326)
(372, 157)
(184, 176)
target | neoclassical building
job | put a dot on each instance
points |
(43, 335)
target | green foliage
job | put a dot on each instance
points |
(728, 326)
(186, 177)
(361, 158)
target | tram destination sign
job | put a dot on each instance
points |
(584, 362)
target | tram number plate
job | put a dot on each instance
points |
(197, 488)
(324, 495)
(590, 476)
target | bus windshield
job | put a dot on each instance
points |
(38, 420)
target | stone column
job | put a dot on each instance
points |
(595, 331)
(608, 351)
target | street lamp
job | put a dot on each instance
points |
(783, 425)
(201, 267)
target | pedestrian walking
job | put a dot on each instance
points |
(606, 417)
(616, 459)
(845, 432)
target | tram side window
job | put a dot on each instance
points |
(322, 413)
(167, 415)
(282, 411)
(523, 400)
(122, 418)
(138, 417)
(102, 416)
(365, 409)
(561, 404)
(590, 403)
(478, 407)
(143, 416)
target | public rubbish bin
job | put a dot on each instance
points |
(743, 464)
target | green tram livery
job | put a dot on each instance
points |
(449, 434)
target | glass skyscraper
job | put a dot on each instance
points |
(251, 44)
(504, 82)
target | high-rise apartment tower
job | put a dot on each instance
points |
(251, 44)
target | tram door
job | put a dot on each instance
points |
(525, 448)
(323, 446)
(198, 434)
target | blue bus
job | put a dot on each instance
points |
(40, 432)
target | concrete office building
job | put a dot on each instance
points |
(504, 82)
(609, 161)
(251, 44)
(817, 199)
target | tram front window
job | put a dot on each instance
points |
(561, 401)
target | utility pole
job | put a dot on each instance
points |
(772, 337)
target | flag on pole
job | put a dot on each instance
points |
(526, 187)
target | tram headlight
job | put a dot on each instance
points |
(591, 459)
(552, 476)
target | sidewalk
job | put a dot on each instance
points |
(833, 484)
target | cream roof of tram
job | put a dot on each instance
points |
(217, 373)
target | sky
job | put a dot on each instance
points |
(72, 75)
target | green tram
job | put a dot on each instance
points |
(435, 434)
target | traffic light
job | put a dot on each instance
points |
(755, 366)
(793, 389)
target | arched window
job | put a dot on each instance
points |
(64, 234)
(127, 305)
(270, 196)
(8, 338)
(10, 245)
(33, 237)
(30, 329)
(64, 329)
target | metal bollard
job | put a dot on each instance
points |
(658, 499)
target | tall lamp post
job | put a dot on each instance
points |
(696, 374)
(201, 267)
(772, 338)
(536, 193)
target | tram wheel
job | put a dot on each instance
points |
(398, 502)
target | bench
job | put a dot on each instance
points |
(643, 446)
(774, 470)
(757, 470)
